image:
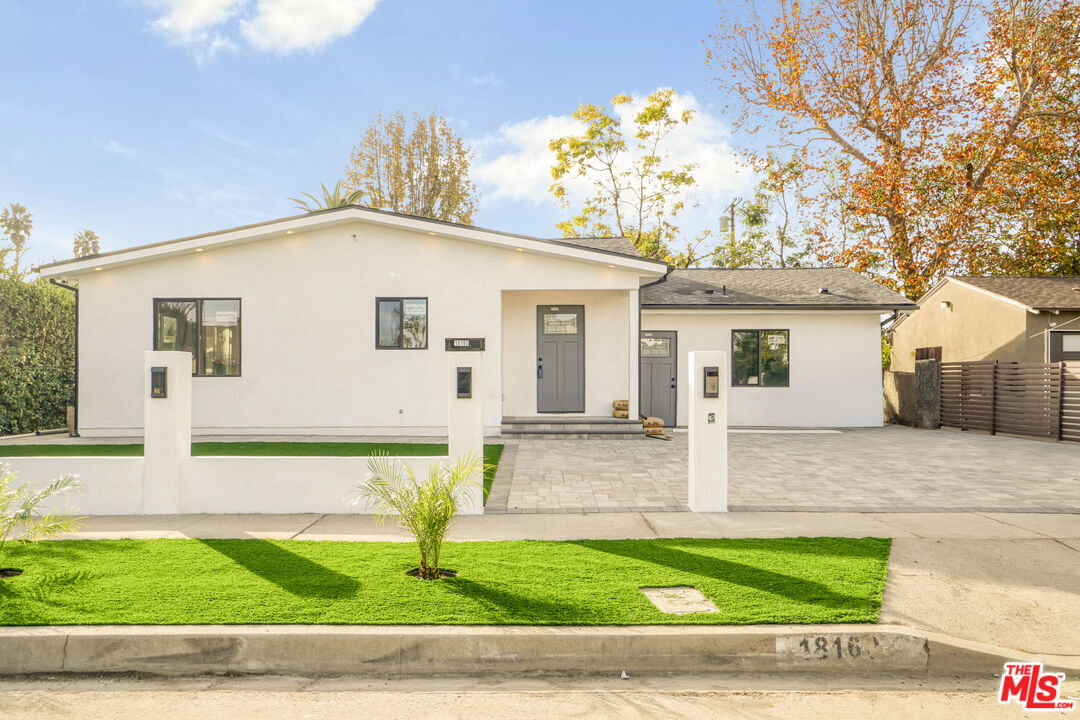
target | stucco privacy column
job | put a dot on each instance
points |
(707, 428)
(166, 430)
(465, 420)
(632, 392)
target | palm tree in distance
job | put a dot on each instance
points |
(338, 197)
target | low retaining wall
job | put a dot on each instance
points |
(214, 484)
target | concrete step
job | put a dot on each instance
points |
(579, 426)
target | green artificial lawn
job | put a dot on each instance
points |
(492, 453)
(594, 582)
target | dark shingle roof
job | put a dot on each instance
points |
(788, 287)
(1037, 293)
(617, 245)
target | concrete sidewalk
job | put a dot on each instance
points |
(598, 526)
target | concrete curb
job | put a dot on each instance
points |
(401, 651)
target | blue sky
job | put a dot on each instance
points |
(148, 120)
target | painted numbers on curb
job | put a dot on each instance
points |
(854, 650)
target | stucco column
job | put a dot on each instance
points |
(465, 421)
(166, 432)
(634, 309)
(707, 428)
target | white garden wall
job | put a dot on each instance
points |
(835, 365)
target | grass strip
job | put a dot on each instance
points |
(594, 582)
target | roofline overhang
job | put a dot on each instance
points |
(340, 216)
(777, 306)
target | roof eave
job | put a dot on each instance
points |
(775, 306)
(310, 221)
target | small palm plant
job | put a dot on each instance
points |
(19, 509)
(426, 508)
(338, 197)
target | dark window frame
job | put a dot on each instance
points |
(401, 333)
(760, 332)
(200, 361)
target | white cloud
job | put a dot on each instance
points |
(492, 79)
(514, 162)
(117, 148)
(285, 26)
(188, 21)
(210, 27)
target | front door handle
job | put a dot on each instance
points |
(539, 371)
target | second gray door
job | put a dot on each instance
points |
(659, 356)
(560, 358)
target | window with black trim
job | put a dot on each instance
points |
(401, 323)
(208, 328)
(759, 358)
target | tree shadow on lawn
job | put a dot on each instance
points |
(513, 606)
(796, 589)
(22, 596)
(291, 572)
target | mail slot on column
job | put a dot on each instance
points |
(159, 382)
(711, 385)
(464, 382)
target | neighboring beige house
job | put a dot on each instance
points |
(1011, 319)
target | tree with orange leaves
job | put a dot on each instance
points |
(933, 151)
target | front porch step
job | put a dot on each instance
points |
(579, 426)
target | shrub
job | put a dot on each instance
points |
(37, 355)
(425, 508)
(19, 509)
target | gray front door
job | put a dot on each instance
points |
(560, 358)
(659, 357)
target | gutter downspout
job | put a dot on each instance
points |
(75, 403)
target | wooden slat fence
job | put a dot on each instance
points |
(1035, 399)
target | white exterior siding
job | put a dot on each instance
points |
(835, 365)
(309, 362)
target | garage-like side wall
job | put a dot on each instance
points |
(835, 365)
(309, 363)
(974, 326)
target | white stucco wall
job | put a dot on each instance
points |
(607, 347)
(308, 340)
(835, 365)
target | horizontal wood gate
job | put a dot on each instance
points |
(1036, 399)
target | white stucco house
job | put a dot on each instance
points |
(334, 323)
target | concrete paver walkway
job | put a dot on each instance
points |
(889, 469)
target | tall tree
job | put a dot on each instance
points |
(338, 197)
(419, 169)
(16, 223)
(918, 135)
(638, 192)
(86, 242)
(773, 234)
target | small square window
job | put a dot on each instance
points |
(401, 323)
(759, 358)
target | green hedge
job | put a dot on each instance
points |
(37, 355)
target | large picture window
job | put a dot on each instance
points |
(209, 329)
(401, 323)
(759, 358)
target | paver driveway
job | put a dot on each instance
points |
(889, 469)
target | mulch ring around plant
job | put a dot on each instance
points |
(9, 572)
(415, 572)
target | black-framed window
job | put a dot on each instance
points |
(401, 323)
(759, 358)
(208, 328)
